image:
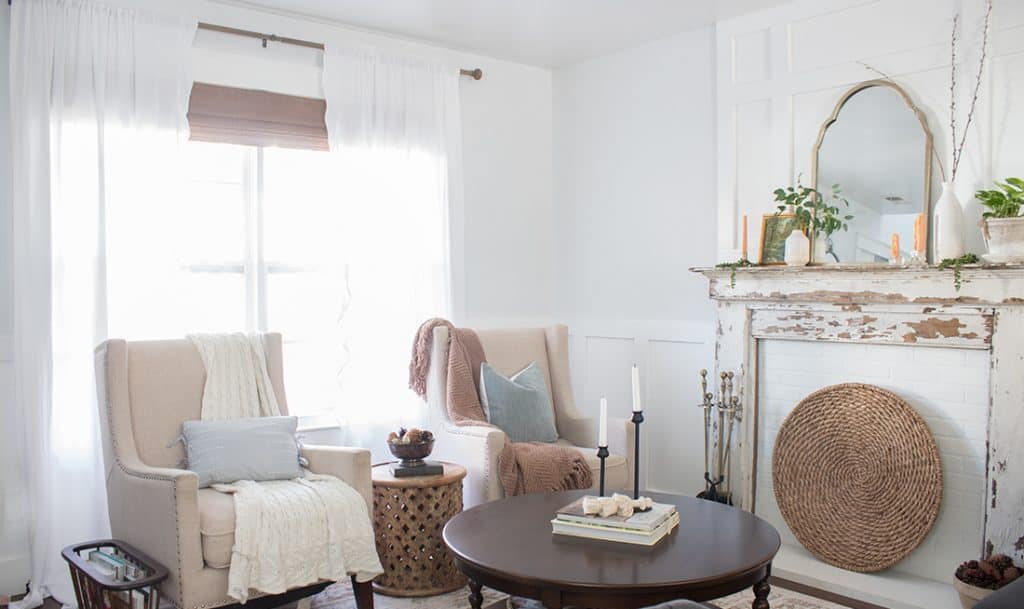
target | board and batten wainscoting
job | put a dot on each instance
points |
(669, 355)
(781, 70)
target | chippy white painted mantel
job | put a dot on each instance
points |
(886, 305)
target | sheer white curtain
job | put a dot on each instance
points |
(393, 124)
(98, 95)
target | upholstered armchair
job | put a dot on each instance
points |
(146, 390)
(477, 447)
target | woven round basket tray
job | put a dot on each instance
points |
(857, 476)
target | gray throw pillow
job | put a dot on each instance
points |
(262, 448)
(520, 406)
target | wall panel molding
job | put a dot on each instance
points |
(817, 47)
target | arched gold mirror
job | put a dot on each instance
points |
(877, 147)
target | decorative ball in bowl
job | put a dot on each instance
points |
(412, 446)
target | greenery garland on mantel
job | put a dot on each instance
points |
(741, 263)
(957, 264)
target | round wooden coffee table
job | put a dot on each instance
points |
(508, 545)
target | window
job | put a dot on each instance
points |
(344, 253)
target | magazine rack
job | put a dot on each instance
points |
(95, 589)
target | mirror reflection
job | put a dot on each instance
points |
(877, 147)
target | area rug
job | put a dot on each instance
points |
(339, 596)
(779, 599)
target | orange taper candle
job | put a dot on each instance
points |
(894, 252)
(919, 233)
(743, 254)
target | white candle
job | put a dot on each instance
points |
(636, 389)
(602, 430)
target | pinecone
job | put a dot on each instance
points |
(1001, 561)
(990, 569)
(1010, 574)
(974, 575)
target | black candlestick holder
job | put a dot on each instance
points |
(602, 454)
(638, 418)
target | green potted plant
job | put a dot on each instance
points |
(815, 214)
(1002, 224)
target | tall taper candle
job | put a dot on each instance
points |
(636, 389)
(602, 430)
(895, 247)
(743, 244)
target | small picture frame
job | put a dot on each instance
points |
(774, 230)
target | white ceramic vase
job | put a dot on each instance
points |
(948, 225)
(820, 254)
(798, 248)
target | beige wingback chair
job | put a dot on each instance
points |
(477, 447)
(146, 390)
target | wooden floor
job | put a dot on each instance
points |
(49, 603)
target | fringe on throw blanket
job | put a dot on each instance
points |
(523, 467)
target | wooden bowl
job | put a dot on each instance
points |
(412, 454)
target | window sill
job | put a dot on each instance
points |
(316, 422)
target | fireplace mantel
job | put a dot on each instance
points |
(996, 285)
(892, 306)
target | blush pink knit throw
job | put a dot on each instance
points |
(523, 467)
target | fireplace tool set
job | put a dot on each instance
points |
(725, 407)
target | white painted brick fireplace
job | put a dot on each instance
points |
(955, 356)
(948, 387)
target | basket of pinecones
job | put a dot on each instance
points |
(976, 579)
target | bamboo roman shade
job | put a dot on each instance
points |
(256, 118)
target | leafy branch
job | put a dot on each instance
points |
(812, 210)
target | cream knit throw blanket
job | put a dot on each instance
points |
(523, 467)
(288, 533)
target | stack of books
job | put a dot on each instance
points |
(642, 528)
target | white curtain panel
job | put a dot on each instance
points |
(393, 124)
(98, 96)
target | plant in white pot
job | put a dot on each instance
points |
(1002, 225)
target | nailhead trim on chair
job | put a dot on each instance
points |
(455, 429)
(124, 469)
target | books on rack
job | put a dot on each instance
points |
(641, 528)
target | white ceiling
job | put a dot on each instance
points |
(548, 33)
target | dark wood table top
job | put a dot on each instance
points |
(512, 538)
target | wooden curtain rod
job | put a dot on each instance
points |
(475, 74)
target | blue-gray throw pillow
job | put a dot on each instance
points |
(261, 448)
(520, 406)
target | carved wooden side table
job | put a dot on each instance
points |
(409, 515)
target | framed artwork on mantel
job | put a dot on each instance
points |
(774, 230)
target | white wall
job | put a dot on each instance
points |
(634, 161)
(781, 71)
